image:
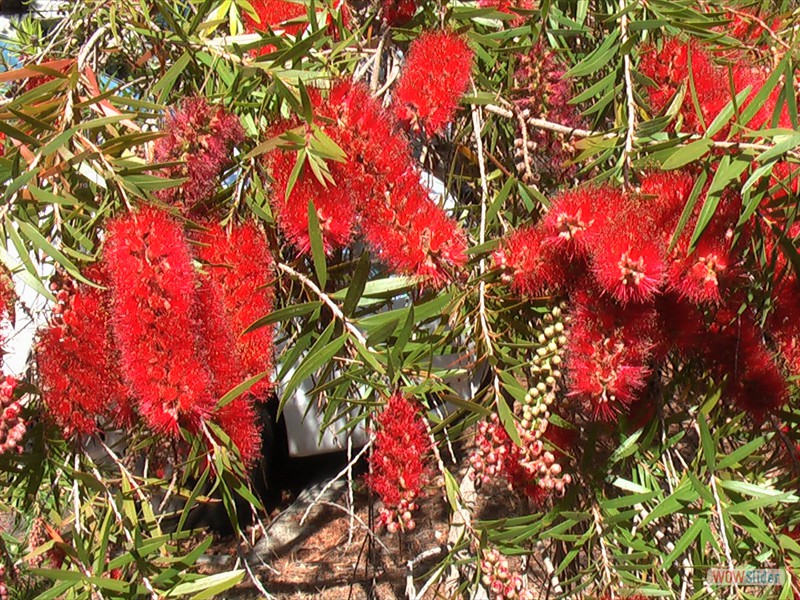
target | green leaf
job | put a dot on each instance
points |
(691, 201)
(167, 82)
(507, 419)
(687, 154)
(738, 455)
(317, 356)
(284, 314)
(707, 442)
(317, 247)
(209, 586)
(38, 240)
(357, 284)
(241, 389)
(451, 488)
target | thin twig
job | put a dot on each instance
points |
(328, 485)
(603, 550)
(337, 312)
(723, 535)
(586, 133)
(630, 132)
(477, 127)
(360, 521)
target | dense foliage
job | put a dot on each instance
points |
(587, 207)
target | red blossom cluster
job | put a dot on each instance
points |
(510, 7)
(377, 192)
(435, 75)
(12, 426)
(77, 359)
(398, 462)
(680, 67)
(239, 263)
(396, 13)
(500, 580)
(634, 301)
(162, 342)
(273, 14)
(543, 91)
(201, 137)
(153, 284)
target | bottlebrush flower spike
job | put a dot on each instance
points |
(435, 76)
(702, 276)
(413, 235)
(627, 260)
(241, 265)
(608, 350)
(669, 70)
(544, 91)
(530, 262)
(574, 221)
(398, 461)
(736, 351)
(396, 13)
(605, 373)
(75, 355)
(335, 210)
(238, 418)
(273, 14)
(203, 137)
(509, 6)
(153, 291)
(664, 195)
(377, 187)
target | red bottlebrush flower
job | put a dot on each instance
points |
(218, 340)
(682, 326)
(80, 379)
(700, 277)
(335, 210)
(664, 196)
(735, 349)
(413, 235)
(273, 14)
(577, 217)
(2, 143)
(435, 76)
(398, 460)
(758, 386)
(398, 12)
(377, 186)
(608, 351)
(531, 263)
(238, 418)
(627, 261)
(12, 427)
(509, 7)
(784, 322)
(605, 374)
(241, 265)
(203, 137)
(669, 70)
(153, 290)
